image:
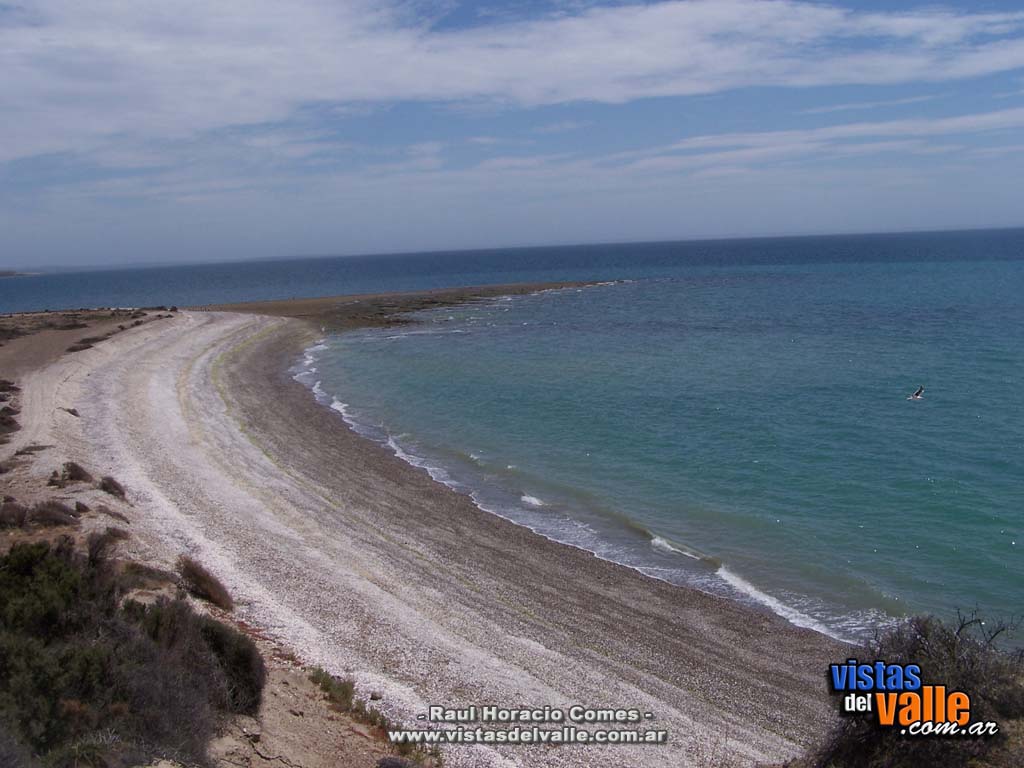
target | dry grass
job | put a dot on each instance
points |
(51, 513)
(103, 509)
(340, 692)
(203, 584)
(30, 450)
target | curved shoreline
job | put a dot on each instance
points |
(742, 590)
(727, 629)
(367, 566)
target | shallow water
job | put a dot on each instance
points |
(741, 428)
(733, 417)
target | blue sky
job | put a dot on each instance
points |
(195, 131)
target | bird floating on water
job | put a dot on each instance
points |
(919, 395)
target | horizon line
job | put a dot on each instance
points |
(27, 270)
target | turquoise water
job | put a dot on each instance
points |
(733, 418)
(740, 427)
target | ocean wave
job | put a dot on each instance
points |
(663, 544)
(340, 407)
(437, 473)
(425, 332)
(309, 357)
(571, 531)
(789, 613)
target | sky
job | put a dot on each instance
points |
(135, 132)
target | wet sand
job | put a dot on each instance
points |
(366, 566)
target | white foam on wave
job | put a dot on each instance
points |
(790, 614)
(353, 423)
(665, 546)
(307, 366)
(437, 474)
(737, 583)
(306, 371)
(425, 332)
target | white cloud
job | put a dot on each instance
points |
(81, 75)
(963, 124)
(863, 105)
(563, 126)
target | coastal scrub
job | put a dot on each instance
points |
(965, 655)
(87, 681)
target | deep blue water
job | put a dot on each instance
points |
(281, 279)
(732, 416)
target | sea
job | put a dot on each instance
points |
(729, 415)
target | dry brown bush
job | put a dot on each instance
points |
(51, 513)
(111, 486)
(12, 514)
(75, 473)
(203, 584)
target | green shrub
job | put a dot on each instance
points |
(339, 692)
(964, 656)
(74, 665)
(100, 544)
(241, 663)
